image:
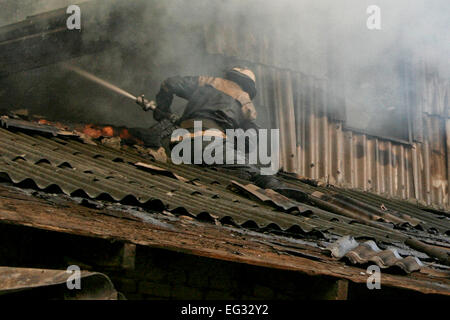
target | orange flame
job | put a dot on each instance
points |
(97, 131)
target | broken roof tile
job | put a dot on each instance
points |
(363, 253)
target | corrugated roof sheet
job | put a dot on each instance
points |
(99, 172)
(389, 209)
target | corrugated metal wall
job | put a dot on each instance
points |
(315, 144)
(314, 140)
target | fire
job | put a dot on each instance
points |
(108, 131)
(124, 134)
(96, 131)
(43, 121)
(53, 124)
(91, 131)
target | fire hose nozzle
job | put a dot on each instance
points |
(146, 104)
(151, 105)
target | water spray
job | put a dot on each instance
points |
(99, 81)
(144, 103)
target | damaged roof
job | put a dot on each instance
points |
(363, 253)
(98, 172)
(128, 225)
(30, 157)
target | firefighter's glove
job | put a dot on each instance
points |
(145, 104)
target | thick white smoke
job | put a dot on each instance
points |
(320, 32)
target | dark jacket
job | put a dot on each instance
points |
(211, 98)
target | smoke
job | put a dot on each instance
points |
(324, 39)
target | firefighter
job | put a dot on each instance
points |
(220, 104)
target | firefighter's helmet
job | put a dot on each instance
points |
(245, 78)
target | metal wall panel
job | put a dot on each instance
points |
(317, 147)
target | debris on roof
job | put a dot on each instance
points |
(347, 247)
(7, 122)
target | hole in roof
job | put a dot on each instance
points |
(334, 220)
(236, 201)
(109, 177)
(215, 182)
(88, 172)
(43, 161)
(95, 180)
(196, 193)
(216, 196)
(65, 165)
(76, 153)
(98, 156)
(118, 160)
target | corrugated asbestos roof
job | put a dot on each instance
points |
(97, 172)
(79, 169)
